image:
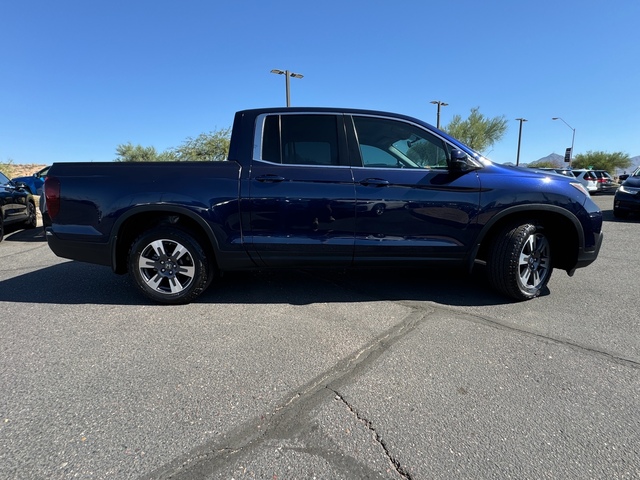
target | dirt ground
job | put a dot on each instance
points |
(20, 170)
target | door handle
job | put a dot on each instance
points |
(270, 178)
(374, 182)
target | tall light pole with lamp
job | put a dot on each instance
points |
(439, 104)
(521, 120)
(287, 74)
(573, 137)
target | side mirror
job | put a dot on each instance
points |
(21, 186)
(459, 161)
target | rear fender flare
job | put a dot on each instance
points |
(168, 209)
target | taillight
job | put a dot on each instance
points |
(52, 195)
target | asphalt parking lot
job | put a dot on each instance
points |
(365, 374)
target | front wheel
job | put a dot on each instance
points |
(168, 265)
(519, 263)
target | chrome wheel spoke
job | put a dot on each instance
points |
(176, 286)
(187, 270)
(179, 252)
(145, 263)
(158, 247)
(154, 282)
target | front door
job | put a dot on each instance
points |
(410, 206)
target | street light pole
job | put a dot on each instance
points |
(439, 104)
(287, 74)
(521, 120)
(573, 137)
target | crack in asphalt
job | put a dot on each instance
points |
(287, 419)
(369, 425)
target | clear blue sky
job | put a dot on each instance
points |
(79, 77)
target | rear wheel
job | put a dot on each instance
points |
(519, 263)
(168, 265)
(32, 219)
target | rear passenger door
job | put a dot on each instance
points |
(302, 193)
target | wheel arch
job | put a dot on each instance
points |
(131, 224)
(562, 228)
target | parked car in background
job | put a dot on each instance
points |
(33, 182)
(16, 204)
(587, 178)
(627, 199)
(605, 181)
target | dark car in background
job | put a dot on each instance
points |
(33, 182)
(16, 205)
(627, 199)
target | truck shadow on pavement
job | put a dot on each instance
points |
(77, 283)
(303, 287)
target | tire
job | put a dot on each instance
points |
(169, 266)
(1, 227)
(32, 221)
(620, 213)
(519, 263)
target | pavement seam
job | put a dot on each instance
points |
(493, 323)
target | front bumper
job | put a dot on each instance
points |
(587, 257)
(629, 202)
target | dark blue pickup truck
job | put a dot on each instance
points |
(322, 187)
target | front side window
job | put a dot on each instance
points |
(386, 143)
(300, 139)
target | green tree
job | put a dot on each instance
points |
(545, 164)
(137, 153)
(601, 160)
(212, 146)
(477, 131)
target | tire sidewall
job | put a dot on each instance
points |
(531, 292)
(32, 221)
(504, 272)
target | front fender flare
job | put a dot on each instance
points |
(519, 210)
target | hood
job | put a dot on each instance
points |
(632, 182)
(527, 172)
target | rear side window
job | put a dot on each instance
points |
(300, 140)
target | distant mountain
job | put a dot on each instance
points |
(552, 158)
